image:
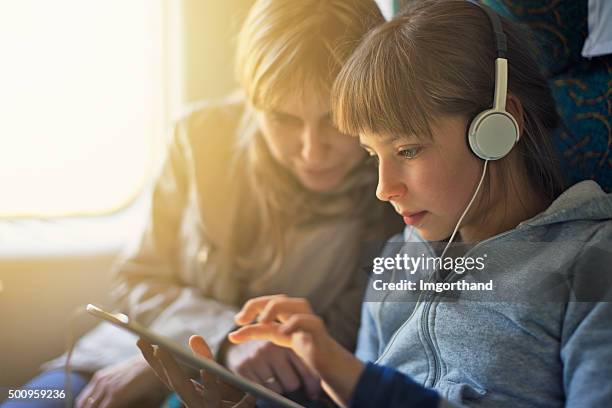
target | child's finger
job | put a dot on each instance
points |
(260, 331)
(252, 308)
(303, 322)
(309, 338)
(282, 308)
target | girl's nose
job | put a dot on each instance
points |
(390, 185)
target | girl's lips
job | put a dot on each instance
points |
(414, 218)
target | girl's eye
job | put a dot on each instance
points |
(410, 153)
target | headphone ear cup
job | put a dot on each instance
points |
(493, 134)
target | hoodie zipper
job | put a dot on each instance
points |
(437, 366)
(427, 308)
(427, 303)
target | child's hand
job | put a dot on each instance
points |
(287, 322)
(290, 322)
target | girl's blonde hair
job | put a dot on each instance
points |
(435, 58)
(285, 47)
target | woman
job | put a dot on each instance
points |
(258, 195)
(541, 336)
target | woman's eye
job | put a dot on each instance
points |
(329, 123)
(373, 159)
(285, 120)
(410, 153)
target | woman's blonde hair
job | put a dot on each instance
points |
(284, 48)
(435, 58)
(285, 45)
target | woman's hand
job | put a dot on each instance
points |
(128, 383)
(212, 393)
(272, 366)
(290, 322)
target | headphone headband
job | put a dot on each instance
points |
(493, 132)
(501, 44)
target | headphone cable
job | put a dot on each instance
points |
(484, 171)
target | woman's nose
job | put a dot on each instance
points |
(314, 147)
(390, 185)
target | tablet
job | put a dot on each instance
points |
(186, 356)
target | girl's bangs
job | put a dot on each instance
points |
(378, 90)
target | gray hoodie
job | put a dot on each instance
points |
(542, 337)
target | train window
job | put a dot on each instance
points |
(81, 104)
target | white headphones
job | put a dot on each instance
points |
(494, 132)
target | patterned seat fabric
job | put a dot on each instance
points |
(582, 87)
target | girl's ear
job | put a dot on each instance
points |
(515, 108)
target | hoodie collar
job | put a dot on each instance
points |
(573, 203)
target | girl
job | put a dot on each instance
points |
(259, 195)
(414, 91)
